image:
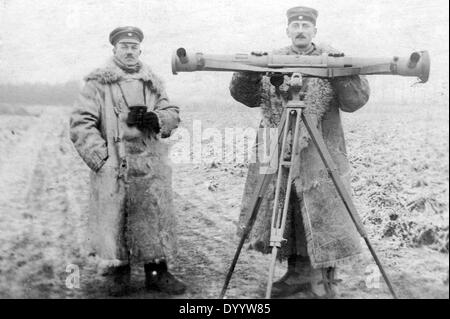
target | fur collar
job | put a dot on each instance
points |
(111, 73)
(318, 49)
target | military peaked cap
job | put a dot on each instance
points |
(131, 34)
(302, 14)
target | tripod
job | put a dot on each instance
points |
(292, 116)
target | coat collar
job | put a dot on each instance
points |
(111, 73)
(310, 51)
(314, 50)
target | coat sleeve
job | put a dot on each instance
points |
(84, 127)
(352, 92)
(246, 88)
(168, 114)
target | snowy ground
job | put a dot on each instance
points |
(400, 186)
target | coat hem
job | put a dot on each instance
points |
(335, 263)
(311, 249)
(104, 266)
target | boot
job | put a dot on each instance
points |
(296, 279)
(158, 278)
(324, 283)
(118, 280)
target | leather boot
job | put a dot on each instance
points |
(118, 280)
(324, 283)
(296, 279)
(158, 278)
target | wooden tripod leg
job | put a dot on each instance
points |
(257, 198)
(280, 213)
(345, 196)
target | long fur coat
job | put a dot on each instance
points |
(131, 215)
(318, 224)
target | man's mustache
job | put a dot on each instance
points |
(300, 36)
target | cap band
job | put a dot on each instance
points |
(126, 38)
(302, 17)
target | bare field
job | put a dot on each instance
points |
(400, 184)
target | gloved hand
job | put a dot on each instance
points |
(253, 77)
(136, 114)
(129, 133)
(150, 122)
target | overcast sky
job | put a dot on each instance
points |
(55, 40)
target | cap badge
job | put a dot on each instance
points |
(130, 34)
(300, 17)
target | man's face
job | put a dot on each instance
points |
(301, 33)
(127, 52)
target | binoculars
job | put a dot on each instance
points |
(136, 115)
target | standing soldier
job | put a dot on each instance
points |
(320, 234)
(117, 125)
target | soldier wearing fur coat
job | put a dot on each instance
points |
(117, 127)
(320, 234)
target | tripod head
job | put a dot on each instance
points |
(295, 90)
(296, 81)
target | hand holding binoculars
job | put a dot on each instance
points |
(143, 120)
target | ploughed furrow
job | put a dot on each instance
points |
(39, 238)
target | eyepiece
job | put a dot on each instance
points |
(182, 55)
(413, 60)
(181, 52)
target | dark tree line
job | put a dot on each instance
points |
(40, 93)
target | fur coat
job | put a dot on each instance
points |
(317, 223)
(131, 215)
